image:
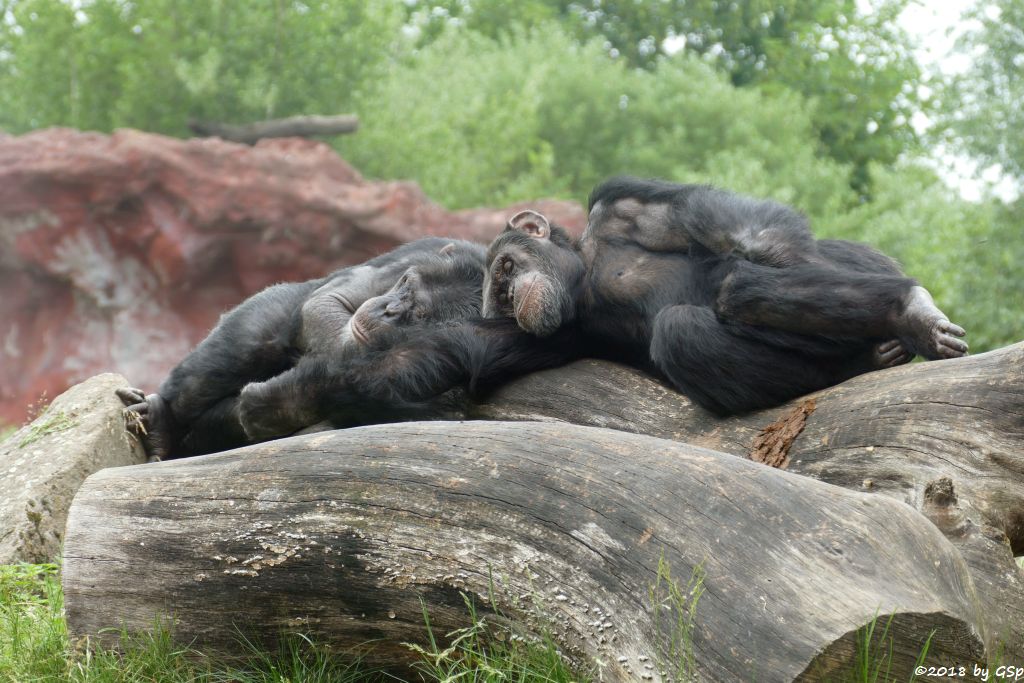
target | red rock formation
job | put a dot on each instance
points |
(119, 252)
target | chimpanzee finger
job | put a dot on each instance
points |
(130, 395)
(951, 347)
(888, 346)
(952, 328)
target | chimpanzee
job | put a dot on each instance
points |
(276, 363)
(730, 298)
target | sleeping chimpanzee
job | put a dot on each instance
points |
(731, 298)
(277, 363)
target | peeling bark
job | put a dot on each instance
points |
(341, 534)
(772, 444)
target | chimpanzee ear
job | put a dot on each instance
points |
(447, 250)
(530, 222)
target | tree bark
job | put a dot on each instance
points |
(945, 437)
(546, 526)
(295, 126)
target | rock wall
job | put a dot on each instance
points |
(119, 252)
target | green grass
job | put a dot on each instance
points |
(675, 615)
(58, 421)
(491, 653)
(34, 648)
(874, 655)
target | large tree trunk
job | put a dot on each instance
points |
(946, 437)
(341, 535)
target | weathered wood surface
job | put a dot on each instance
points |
(340, 534)
(945, 437)
(295, 126)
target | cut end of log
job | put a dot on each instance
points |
(900, 640)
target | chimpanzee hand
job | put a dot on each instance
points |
(272, 409)
(149, 419)
(889, 354)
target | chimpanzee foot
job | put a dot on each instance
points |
(890, 353)
(263, 413)
(149, 419)
(926, 331)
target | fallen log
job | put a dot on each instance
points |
(607, 539)
(945, 437)
(294, 126)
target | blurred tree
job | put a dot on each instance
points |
(99, 64)
(982, 110)
(858, 68)
(534, 113)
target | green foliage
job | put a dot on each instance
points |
(534, 113)
(155, 64)
(856, 67)
(982, 107)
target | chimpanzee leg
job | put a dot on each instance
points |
(291, 400)
(727, 368)
(217, 429)
(824, 300)
(253, 341)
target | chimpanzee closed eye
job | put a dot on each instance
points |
(276, 363)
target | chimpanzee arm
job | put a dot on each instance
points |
(757, 230)
(476, 354)
(327, 311)
(662, 216)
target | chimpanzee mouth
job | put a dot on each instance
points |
(358, 332)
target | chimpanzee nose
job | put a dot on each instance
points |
(393, 308)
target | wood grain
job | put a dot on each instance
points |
(342, 534)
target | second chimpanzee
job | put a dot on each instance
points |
(730, 298)
(279, 361)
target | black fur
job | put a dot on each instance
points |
(730, 298)
(279, 361)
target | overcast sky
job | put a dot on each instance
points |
(935, 26)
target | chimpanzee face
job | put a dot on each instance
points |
(428, 294)
(533, 274)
